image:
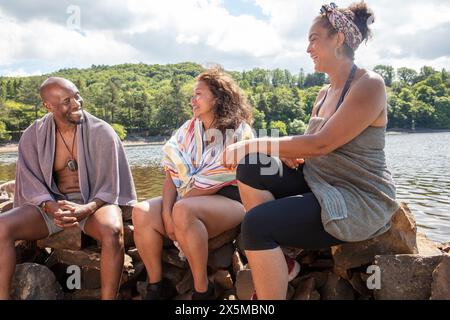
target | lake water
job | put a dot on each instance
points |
(419, 162)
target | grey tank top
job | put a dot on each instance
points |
(352, 184)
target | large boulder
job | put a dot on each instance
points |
(440, 288)
(336, 288)
(35, 282)
(399, 239)
(69, 238)
(406, 276)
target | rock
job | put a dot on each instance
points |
(223, 238)
(399, 239)
(87, 294)
(172, 273)
(221, 258)
(304, 289)
(228, 295)
(83, 258)
(244, 284)
(5, 205)
(69, 238)
(26, 251)
(360, 285)
(440, 287)
(239, 245)
(322, 264)
(3, 198)
(292, 252)
(126, 212)
(130, 279)
(444, 247)
(290, 292)
(223, 279)
(134, 254)
(336, 288)
(406, 276)
(128, 239)
(35, 282)
(236, 262)
(90, 278)
(426, 247)
(171, 256)
(308, 257)
(186, 284)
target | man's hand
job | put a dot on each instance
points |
(293, 163)
(62, 218)
(71, 213)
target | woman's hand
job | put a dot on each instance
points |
(168, 226)
(293, 163)
(233, 154)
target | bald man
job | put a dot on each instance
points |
(71, 171)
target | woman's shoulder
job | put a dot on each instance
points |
(368, 78)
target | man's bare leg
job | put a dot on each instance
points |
(23, 223)
(106, 226)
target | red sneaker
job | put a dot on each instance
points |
(293, 268)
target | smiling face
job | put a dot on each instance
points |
(203, 102)
(62, 98)
(321, 47)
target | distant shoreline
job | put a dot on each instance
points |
(135, 141)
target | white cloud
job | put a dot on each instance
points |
(204, 30)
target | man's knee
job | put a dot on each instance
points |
(112, 235)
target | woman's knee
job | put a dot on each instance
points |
(146, 213)
(256, 231)
(249, 170)
(183, 214)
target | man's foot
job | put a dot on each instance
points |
(207, 295)
(162, 290)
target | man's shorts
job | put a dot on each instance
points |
(51, 226)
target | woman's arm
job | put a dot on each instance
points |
(169, 197)
(359, 110)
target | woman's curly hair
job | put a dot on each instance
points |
(231, 107)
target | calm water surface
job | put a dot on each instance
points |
(419, 162)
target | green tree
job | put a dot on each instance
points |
(120, 130)
(407, 75)
(4, 135)
(279, 126)
(387, 72)
(296, 127)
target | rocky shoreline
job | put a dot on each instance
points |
(400, 264)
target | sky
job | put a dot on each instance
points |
(41, 36)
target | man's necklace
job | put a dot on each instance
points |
(72, 163)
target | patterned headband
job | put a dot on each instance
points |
(344, 24)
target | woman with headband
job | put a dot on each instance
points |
(343, 192)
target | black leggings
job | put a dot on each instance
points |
(292, 220)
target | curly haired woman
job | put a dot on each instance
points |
(200, 198)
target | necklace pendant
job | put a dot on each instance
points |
(72, 165)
